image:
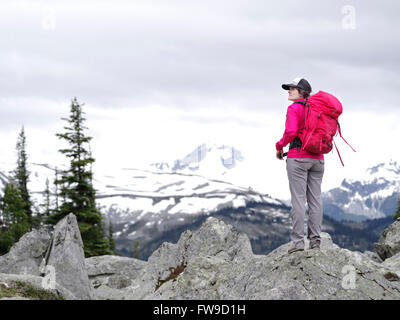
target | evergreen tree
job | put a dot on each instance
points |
(21, 175)
(136, 252)
(15, 220)
(46, 204)
(44, 210)
(111, 240)
(56, 190)
(6, 241)
(75, 185)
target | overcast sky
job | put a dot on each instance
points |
(160, 77)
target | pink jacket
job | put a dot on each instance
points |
(294, 122)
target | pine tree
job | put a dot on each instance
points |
(21, 175)
(6, 241)
(44, 210)
(46, 204)
(56, 189)
(136, 252)
(12, 208)
(111, 240)
(76, 185)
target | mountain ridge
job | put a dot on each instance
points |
(146, 205)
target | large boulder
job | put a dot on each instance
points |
(191, 268)
(67, 258)
(26, 256)
(326, 244)
(393, 263)
(213, 262)
(389, 242)
(108, 274)
(373, 256)
(216, 262)
(318, 274)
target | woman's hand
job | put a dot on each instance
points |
(279, 154)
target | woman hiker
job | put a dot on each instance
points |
(304, 169)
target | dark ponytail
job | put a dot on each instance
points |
(304, 93)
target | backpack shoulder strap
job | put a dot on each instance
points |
(306, 104)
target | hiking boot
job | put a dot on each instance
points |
(291, 250)
(315, 246)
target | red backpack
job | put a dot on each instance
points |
(321, 123)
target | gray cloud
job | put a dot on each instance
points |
(191, 54)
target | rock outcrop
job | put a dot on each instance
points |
(216, 262)
(68, 259)
(25, 257)
(213, 262)
(389, 241)
(36, 282)
(54, 262)
(393, 263)
(108, 274)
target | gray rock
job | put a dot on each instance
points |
(313, 275)
(104, 292)
(196, 261)
(36, 282)
(108, 272)
(26, 255)
(389, 242)
(216, 262)
(393, 263)
(326, 244)
(110, 265)
(67, 258)
(119, 281)
(373, 256)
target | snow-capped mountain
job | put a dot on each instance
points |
(201, 182)
(153, 206)
(369, 195)
(373, 196)
(141, 193)
(156, 204)
(220, 162)
(207, 159)
(136, 193)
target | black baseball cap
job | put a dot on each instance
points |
(299, 83)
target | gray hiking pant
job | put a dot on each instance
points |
(305, 178)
